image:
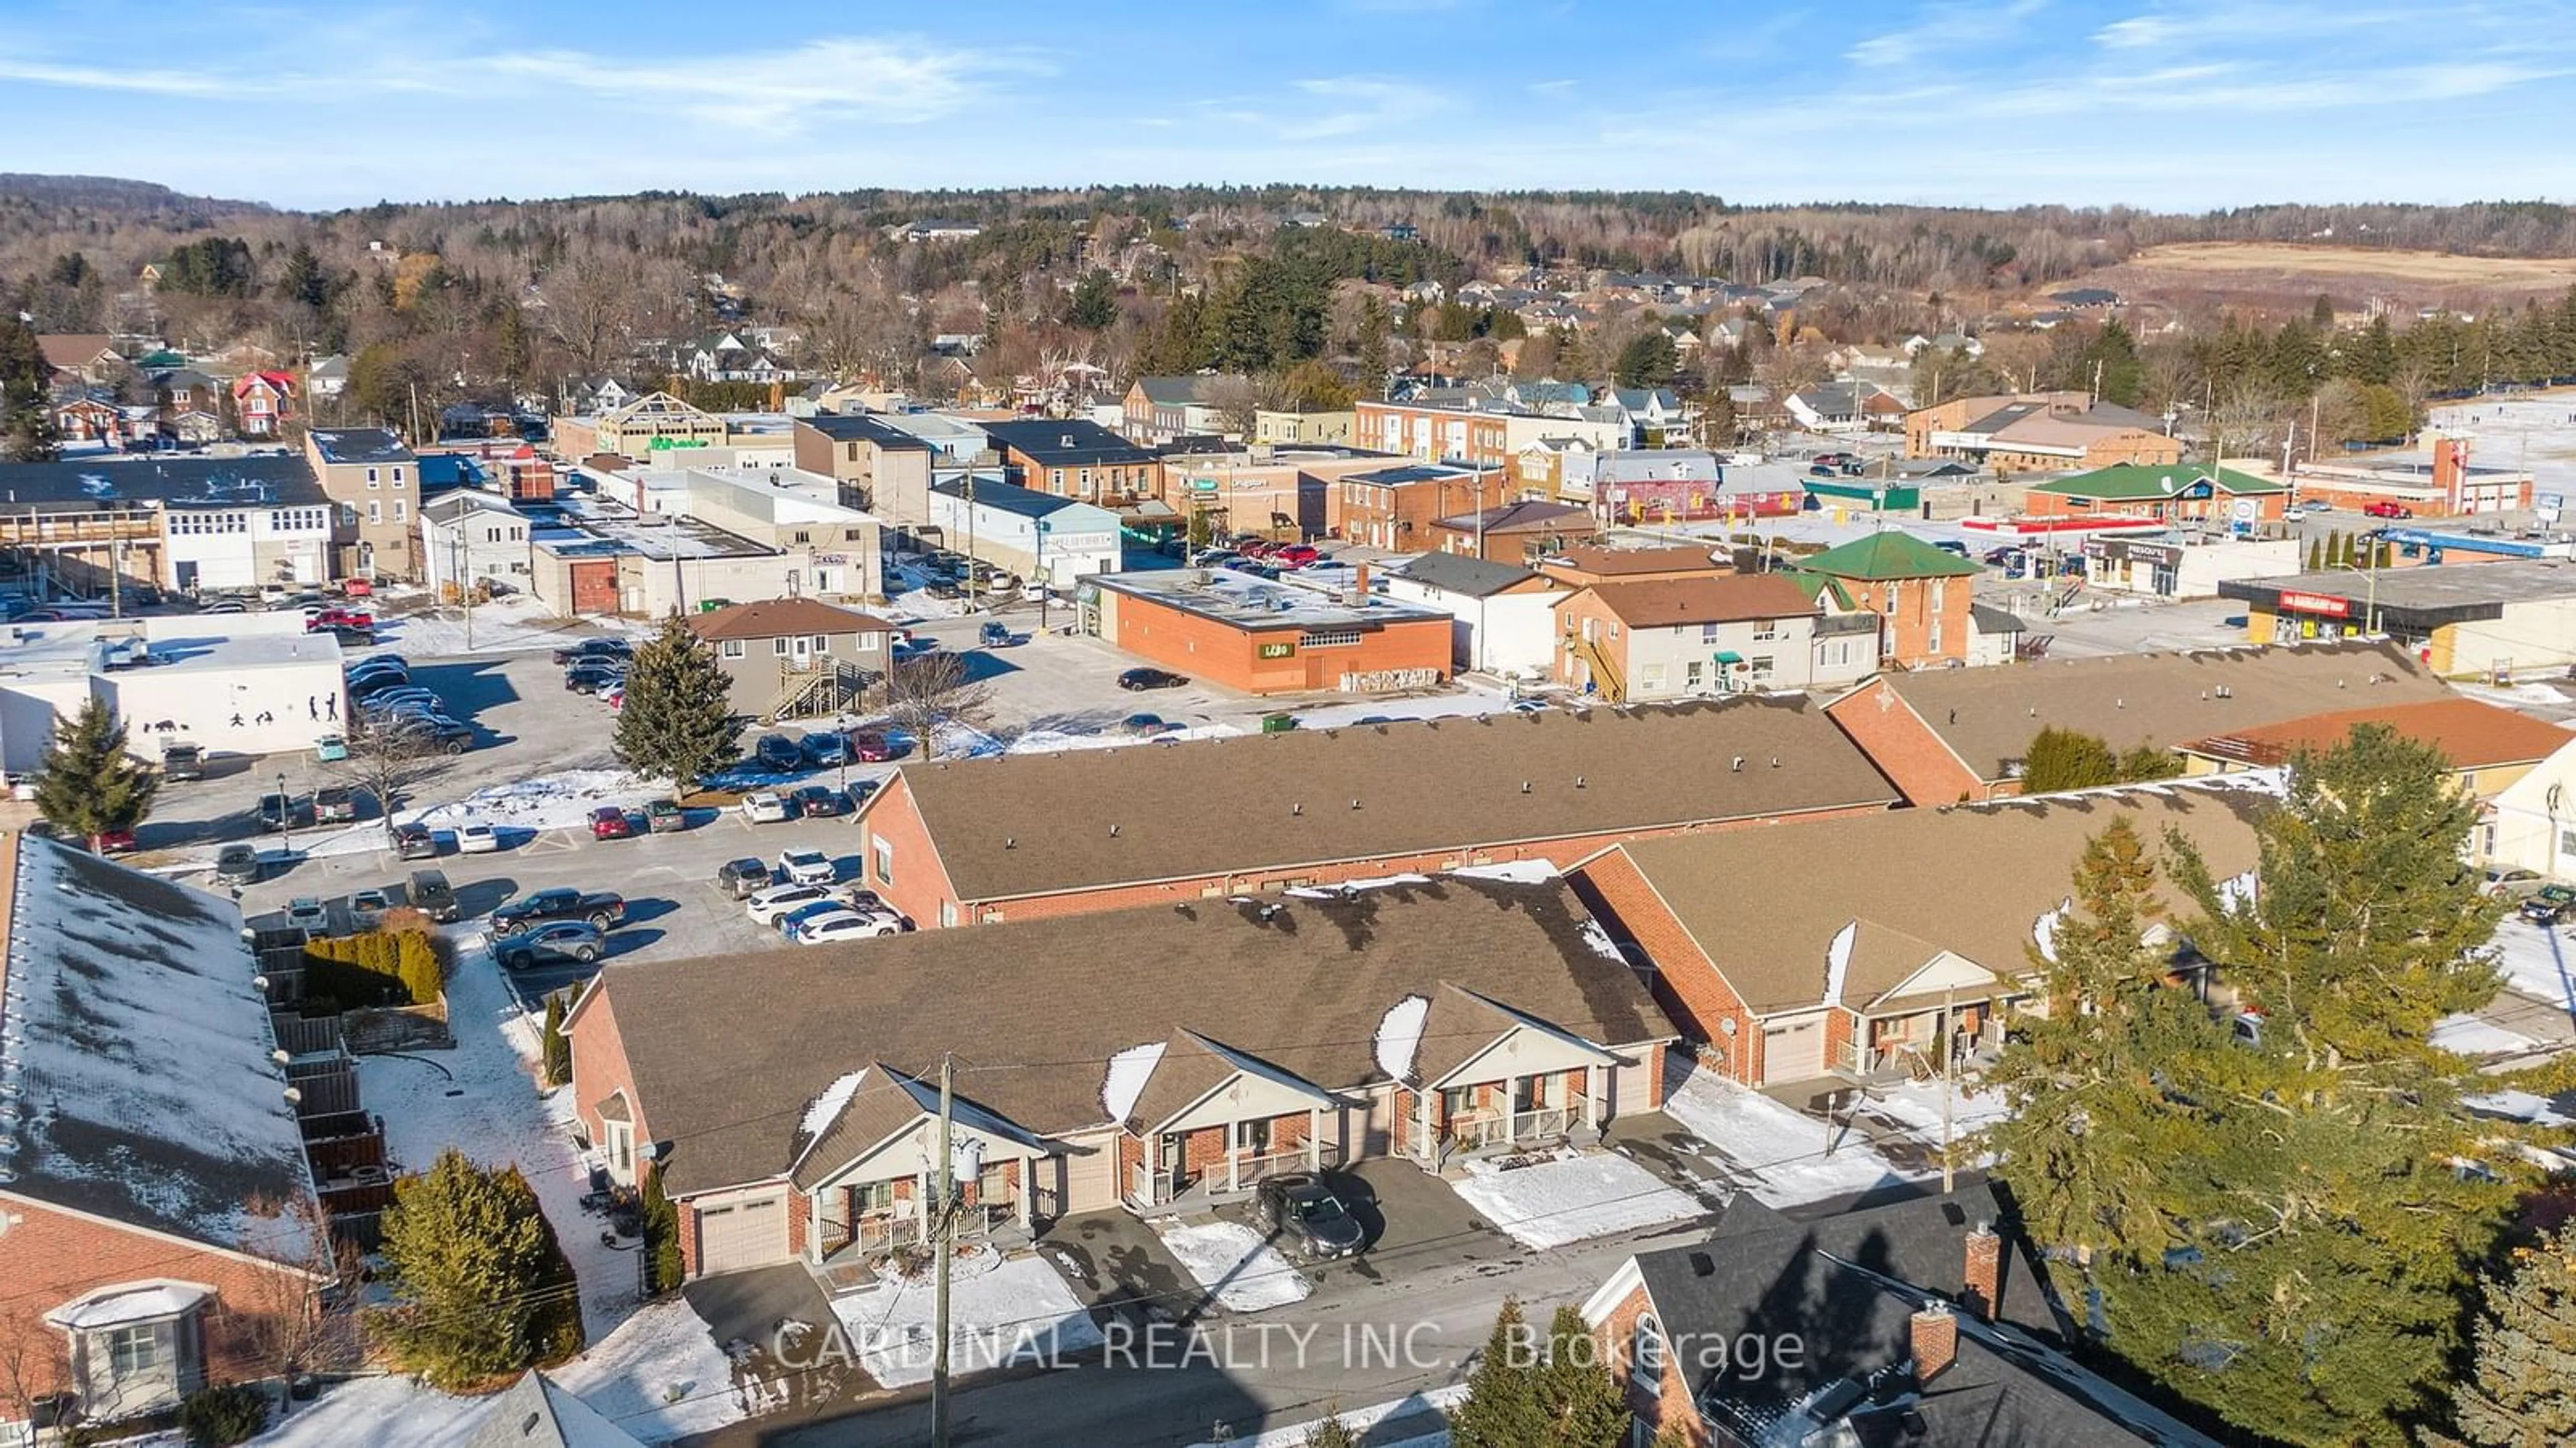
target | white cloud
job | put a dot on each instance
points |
(830, 79)
(1942, 28)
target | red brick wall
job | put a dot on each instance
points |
(688, 1227)
(600, 1068)
(1616, 1337)
(1203, 1150)
(1687, 984)
(1908, 606)
(800, 1221)
(920, 885)
(1904, 747)
(49, 1257)
(1221, 653)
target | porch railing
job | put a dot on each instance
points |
(1477, 1133)
(1155, 1188)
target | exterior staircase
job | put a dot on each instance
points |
(822, 688)
(1608, 686)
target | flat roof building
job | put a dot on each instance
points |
(2486, 618)
(1264, 637)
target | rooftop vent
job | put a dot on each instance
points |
(1738, 766)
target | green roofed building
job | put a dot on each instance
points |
(2174, 493)
(1923, 596)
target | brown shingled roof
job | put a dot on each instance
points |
(1971, 879)
(1988, 716)
(1030, 825)
(1608, 562)
(2471, 733)
(1726, 598)
(729, 1053)
(772, 617)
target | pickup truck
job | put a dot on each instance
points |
(604, 909)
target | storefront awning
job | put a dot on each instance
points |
(1729, 656)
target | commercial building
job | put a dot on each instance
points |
(1039, 537)
(1586, 564)
(2489, 618)
(375, 480)
(2437, 482)
(977, 842)
(787, 658)
(1278, 427)
(654, 423)
(1514, 532)
(253, 683)
(473, 539)
(1695, 637)
(2182, 565)
(1924, 593)
(881, 468)
(596, 560)
(1240, 632)
(1503, 618)
(96, 527)
(1079, 460)
(2219, 497)
(1395, 507)
(2038, 432)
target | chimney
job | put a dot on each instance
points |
(1984, 1274)
(1359, 584)
(1935, 1335)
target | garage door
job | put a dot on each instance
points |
(1091, 1175)
(742, 1234)
(594, 587)
(1793, 1050)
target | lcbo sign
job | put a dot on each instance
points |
(2318, 603)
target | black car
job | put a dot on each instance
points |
(778, 752)
(431, 895)
(594, 649)
(601, 908)
(431, 731)
(1303, 1209)
(743, 878)
(415, 842)
(552, 940)
(590, 678)
(863, 790)
(1136, 681)
(2549, 905)
(280, 811)
(818, 801)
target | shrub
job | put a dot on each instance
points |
(555, 1054)
(220, 1417)
(661, 1237)
(481, 1287)
(402, 967)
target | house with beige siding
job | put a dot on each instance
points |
(787, 658)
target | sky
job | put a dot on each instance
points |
(2168, 104)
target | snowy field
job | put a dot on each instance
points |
(1577, 1196)
(1244, 1272)
(1002, 1311)
(547, 802)
(1916, 1106)
(2537, 961)
(517, 624)
(1766, 1148)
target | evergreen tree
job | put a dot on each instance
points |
(555, 1053)
(1332, 1433)
(1580, 1404)
(1372, 348)
(2147, 762)
(2521, 1387)
(1501, 1409)
(677, 722)
(1647, 361)
(27, 431)
(86, 783)
(663, 1265)
(2061, 759)
(480, 1287)
(2316, 555)
(1094, 304)
(2321, 312)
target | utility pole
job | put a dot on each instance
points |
(1949, 1060)
(943, 1227)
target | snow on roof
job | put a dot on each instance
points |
(828, 1104)
(120, 1305)
(1838, 954)
(1399, 1035)
(1129, 1070)
(1512, 872)
(135, 1075)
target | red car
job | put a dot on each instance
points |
(358, 588)
(871, 748)
(342, 618)
(1257, 548)
(2386, 509)
(116, 842)
(608, 822)
(1296, 555)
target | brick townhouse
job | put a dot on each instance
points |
(1024, 837)
(1079, 460)
(151, 1190)
(1945, 736)
(1926, 935)
(1400, 507)
(1173, 1058)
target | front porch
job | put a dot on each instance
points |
(1197, 1169)
(1887, 1047)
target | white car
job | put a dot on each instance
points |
(366, 907)
(477, 838)
(807, 867)
(305, 912)
(778, 900)
(847, 925)
(764, 807)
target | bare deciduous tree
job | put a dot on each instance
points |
(310, 1320)
(388, 759)
(936, 689)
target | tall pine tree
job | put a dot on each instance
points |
(87, 784)
(1501, 1409)
(2521, 1387)
(1577, 1400)
(479, 1284)
(677, 722)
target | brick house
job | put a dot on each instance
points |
(151, 1190)
(1159, 409)
(1023, 837)
(1187, 1053)
(2038, 431)
(86, 419)
(1951, 735)
(1690, 637)
(1470, 437)
(1514, 532)
(1926, 1322)
(2490, 748)
(1923, 593)
(880, 467)
(86, 358)
(2172, 494)
(790, 657)
(1397, 508)
(261, 403)
(1588, 563)
(1079, 460)
(1786, 984)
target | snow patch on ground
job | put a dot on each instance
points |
(1399, 1035)
(661, 1376)
(392, 1412)
(1576, 1196)
(2474, 1036)
(1360, 1420)
(1129, 1070)
(2521, 1106)
(547, 802)
(518, 624)
(1916, 1106)
(1511, 872)
(1002, 1311)
(1242, 1271)
(2537, 962)
(1768, 1149)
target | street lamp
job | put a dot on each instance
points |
(2370, 600)
(285, 818)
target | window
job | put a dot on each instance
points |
(947, 914)
(1708, 633)
(802, 536)
(1084, 478)
(1938, 594)
(400, 506)
(1322, 638)
(1761, 666)
(375, 511)
(371, 477)
(822, 644)
(883, 850)
(491, 535)
(1694, 674)
(397, 477)
(132, 1351)
(2567, 842)
(1646, 1358)
(733, 648)
(868, 1197)
(1932, 640)
(1055, 479)
(1767, 630)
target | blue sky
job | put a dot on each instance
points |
(2162, 103)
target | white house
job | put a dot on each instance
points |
(253, 683)
(1506, 619)
(1036, 535)
(223, 546)
(2532, 824)
(467, 537)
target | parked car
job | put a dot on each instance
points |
(846, 925)
(1300, 1207)
(434, 731)
(589, 678)
(2311, 505)
(807, 867)
(1137, 681)
(386, 698)
(1147, 724)
(769, 905)
(477, 837)
(1298, 555)
(743, 878)
(2383, 508)
(338, 618)
(2549, 905)
(182, 761)
(779, 753)
(602, 908)
(415, 842)
(379, 664)
(765, 807)
(664, 816)
(594, 649)
(817, 802)
(995, 636)
(863, 790)
(367, 907)
(554, 940)
(2512, 884)
(794, 920)
(278, 811)
(306, 912)
(871, 747)
(335, 803)
(824, 748)
(237, 865)
(611, 822)
(431, 895)
(116, 842)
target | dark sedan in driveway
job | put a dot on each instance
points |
(1303, 1209)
